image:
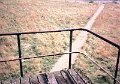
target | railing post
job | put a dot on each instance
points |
(70, 48)
(117, 64)
(19, 51)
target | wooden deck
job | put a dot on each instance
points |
(61, 77)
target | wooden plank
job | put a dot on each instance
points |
(25, 80)
(41, 79)
(34, 80)
(76, 77)
(67, 77)
(60, 79)
(85, 78)
(6, 82)
(16, 81)
(51, 79)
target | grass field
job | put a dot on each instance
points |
(38, 15)
(107, 25)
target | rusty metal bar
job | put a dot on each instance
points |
(41, 56)
(117, 64)
(70, 48)
(1, 82)
(51, 31)
(68, 29)
(102, 38)
(100, 67)
(19, 51)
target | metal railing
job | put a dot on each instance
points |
(70, 49)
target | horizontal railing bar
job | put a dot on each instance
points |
(20, 33)
(100, 67)
(41, 56)
(69, 29)
(106, 40)
(57, 55)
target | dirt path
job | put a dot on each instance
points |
(80, 40)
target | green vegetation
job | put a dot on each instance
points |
(38, 15)
(105, 57)
(107, 25)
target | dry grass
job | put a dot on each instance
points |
(106, 25)
(111, 19)
(43, 15)
(38, 15)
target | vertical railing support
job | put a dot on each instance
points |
(70, 49)
(117, 64)
(19, 51)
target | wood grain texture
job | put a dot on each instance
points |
(59, 77)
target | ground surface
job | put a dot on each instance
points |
(77, 44)
(106, 25)
(38, 15)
